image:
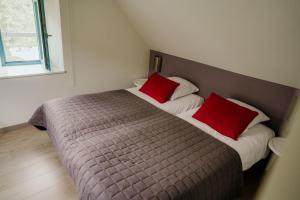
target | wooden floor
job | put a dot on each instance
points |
(30, 169)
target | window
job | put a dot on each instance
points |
(23, 34)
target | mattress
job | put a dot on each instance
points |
(252, 145)
(117, 146)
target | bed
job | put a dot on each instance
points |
(252, 145)
(122, 145)
(116, 145)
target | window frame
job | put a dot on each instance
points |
(42, 36)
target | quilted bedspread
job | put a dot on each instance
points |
(117, 146)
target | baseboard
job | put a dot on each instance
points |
(13, 128)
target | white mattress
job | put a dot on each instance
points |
(174, 107)
(252, 145)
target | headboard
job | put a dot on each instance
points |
(272, 98)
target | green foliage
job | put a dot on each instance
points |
(17, 16)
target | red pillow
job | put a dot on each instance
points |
(159, 88)
(224, 116)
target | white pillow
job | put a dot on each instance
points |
(185, 88)
(182, 104)
(175, 107)
(261, 117)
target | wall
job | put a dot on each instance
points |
(101, 52)
(255, 38)
(283, 180)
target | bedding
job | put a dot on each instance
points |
(185, 88)
(175, 107)
(117, 146)
(226, 117)
(159, 87)
(261, 117)
(251, 146)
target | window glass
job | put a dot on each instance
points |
(23, 47)
(19, 25)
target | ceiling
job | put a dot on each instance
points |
(255, 38)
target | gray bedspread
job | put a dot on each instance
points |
(117, 146)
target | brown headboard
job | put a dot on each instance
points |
(272, 98)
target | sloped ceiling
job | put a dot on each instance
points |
(258, 38)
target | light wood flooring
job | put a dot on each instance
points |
(30, 168)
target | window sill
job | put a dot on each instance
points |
(26, 71)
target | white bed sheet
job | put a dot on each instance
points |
(252, 145)
(174, 107)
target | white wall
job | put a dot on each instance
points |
(283, 180)
(256, 38)
(101, 52)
